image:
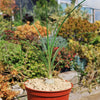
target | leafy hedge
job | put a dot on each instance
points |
(25, 58)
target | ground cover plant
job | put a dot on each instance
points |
(96, 40)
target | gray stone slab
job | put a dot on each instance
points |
(71, 76)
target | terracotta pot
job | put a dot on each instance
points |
(47, 95)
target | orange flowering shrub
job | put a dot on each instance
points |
(29, 32)
(78, 29)
(7, 6)
(5, 91)
(7, 77)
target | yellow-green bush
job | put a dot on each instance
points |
(92, 55)
(77, 12)
(97, 23)
(78, 29)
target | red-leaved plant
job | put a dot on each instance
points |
(65, 56)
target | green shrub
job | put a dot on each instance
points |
(9, 52)
(24, 56)
(33, 70)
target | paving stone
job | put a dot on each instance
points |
(83, 94)
(84, 99)
(16, 86)
(21, 96)
(71, 76)
(94, 97)
(18, 89)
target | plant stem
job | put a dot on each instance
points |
(50, 70)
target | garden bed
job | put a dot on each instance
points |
(29, 49)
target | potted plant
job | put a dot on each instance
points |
(49, 88)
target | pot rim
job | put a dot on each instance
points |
(48, 91)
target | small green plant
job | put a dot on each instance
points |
(4, 24)
(48, 59)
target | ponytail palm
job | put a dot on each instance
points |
(48, 59)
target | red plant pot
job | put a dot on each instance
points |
(47, 95)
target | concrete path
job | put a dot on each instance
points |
(92, 97)
(83, 94)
